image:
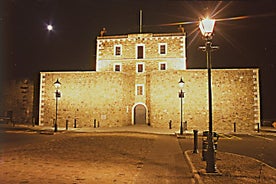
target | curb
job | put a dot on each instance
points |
(259, 161)
(193, 169)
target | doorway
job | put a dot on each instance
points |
(140, 114)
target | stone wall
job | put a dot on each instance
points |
(85, 96)
(18, 99)
(165, 103)
(175, 54)
(109, 97)
(236, 99)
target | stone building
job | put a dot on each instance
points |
(18, 101)
(136, 82)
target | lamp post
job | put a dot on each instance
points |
(206, 27)
(181, 96)
(57, 95)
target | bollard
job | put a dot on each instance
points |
(66, 124)
(55, 125)
(258, 127)
(185, 125)
(56, 129)
(195, 141)
(98, 124)
(95, 123)
(75, 123)
(235, 128)
(33, 121)
(170, 124)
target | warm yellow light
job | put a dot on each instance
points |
(57, 84)
(206, 26)
(181, 83)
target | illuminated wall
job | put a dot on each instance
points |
(174, 54)
(235, 99)
(85, 96)
(109, 98)
(160, 52)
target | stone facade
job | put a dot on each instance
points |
(18, 100)
(235, 99)
(136, 80)
(85, 96)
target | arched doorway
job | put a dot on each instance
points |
(139, 114)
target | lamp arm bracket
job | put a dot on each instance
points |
(214, 48)
(203, 48)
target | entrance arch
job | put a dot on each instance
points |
(139, 114)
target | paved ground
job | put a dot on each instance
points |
(167, 161)
(119, 155)
(96, 158)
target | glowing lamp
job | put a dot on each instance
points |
(57, 84)
(206, 26)
(181, 83)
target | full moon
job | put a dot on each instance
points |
(50, 27)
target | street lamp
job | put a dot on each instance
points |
(206, 27)
(57, 95)
(181, 96)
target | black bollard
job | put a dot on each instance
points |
(95, 123)
(56, 129)
(195, 141)
(98, 124)
(55, 125)
(75, 123)
(170, 124)
(66, 124)
(258, 127)
(235, 128)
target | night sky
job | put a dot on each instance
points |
(28, 47)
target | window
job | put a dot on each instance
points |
(118, 50)
(140, 51)
(162, 66)
(139, 67)
(162, 48)
(117, 67)
(139, 89)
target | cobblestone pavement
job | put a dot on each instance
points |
(97, 158)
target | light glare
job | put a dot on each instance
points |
(207, 26)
